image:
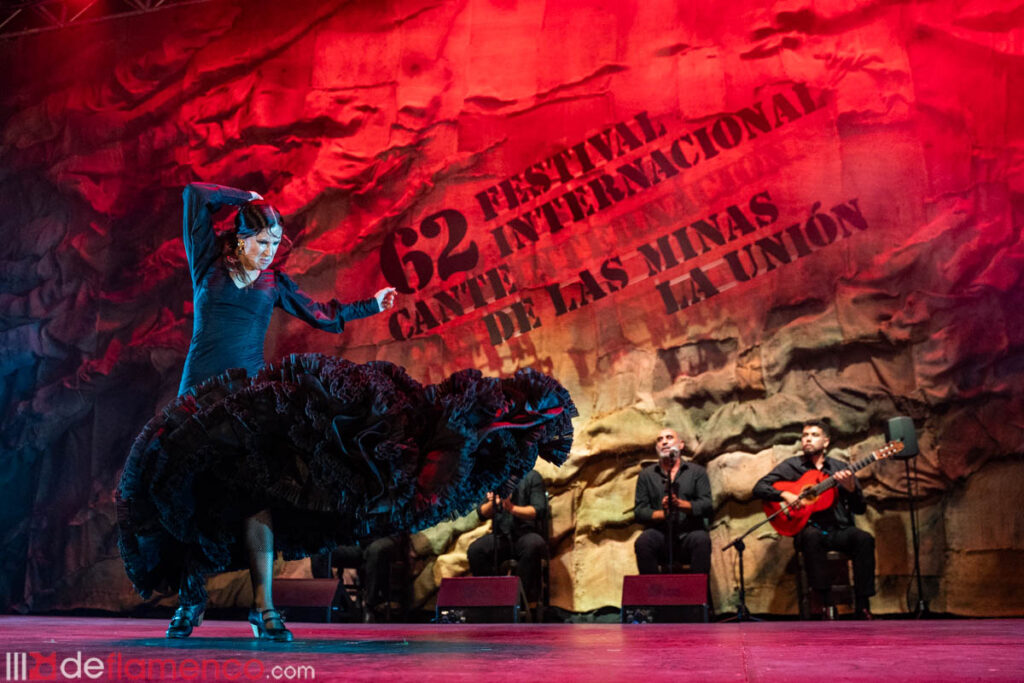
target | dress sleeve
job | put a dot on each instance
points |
(202, 201)
(330, 316)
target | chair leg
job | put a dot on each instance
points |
(525, 603)
(803, 589)
(545, 591)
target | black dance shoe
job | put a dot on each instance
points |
(185, 618)
(268, 624)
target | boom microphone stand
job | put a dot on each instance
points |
(742, 613)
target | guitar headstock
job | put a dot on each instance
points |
(890, 449)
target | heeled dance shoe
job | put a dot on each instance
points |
(185, 618)
(268, 624)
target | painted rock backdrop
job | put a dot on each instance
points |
(724, 222)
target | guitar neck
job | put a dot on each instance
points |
(825, 485)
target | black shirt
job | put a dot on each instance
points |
(846, 505)
(529, 492)
(691, 483)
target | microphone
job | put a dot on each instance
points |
(673, 452)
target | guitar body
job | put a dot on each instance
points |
(790, 522)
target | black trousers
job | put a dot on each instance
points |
(692, 546)
(815, 543)
(528, 550)
(374, 563)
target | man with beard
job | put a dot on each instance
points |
(829, 529)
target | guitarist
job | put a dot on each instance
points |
(829, 529)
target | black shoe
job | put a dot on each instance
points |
(268, 624)
(185, 618)
(865, 614)
(828, 613)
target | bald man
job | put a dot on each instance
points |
(689, 506)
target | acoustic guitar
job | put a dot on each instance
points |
(816, 491)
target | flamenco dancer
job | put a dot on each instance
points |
(313, 451)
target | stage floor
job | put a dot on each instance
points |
(891, 650)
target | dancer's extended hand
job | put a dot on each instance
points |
(386, 298)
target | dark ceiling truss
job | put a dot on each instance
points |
(25, 17)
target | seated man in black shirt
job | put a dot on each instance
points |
(830, 529)
(515, 532)
(690, 504)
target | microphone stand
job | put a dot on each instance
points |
(498, 535)
(494, 532)
(669, 515)
(921, 609)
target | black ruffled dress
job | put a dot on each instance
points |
(336, 450)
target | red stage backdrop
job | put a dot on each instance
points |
(721, 219)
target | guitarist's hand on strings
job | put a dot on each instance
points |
(791, 499)
(846, 480)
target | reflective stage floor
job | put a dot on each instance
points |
(58, 648)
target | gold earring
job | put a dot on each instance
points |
(241, 245)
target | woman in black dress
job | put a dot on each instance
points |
(310, 452)
(234, 294)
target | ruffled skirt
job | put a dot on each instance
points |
(337, 451)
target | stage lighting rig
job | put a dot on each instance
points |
(25, 17)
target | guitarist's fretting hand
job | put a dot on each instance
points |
(846, 480)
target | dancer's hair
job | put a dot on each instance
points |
(255, 217)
